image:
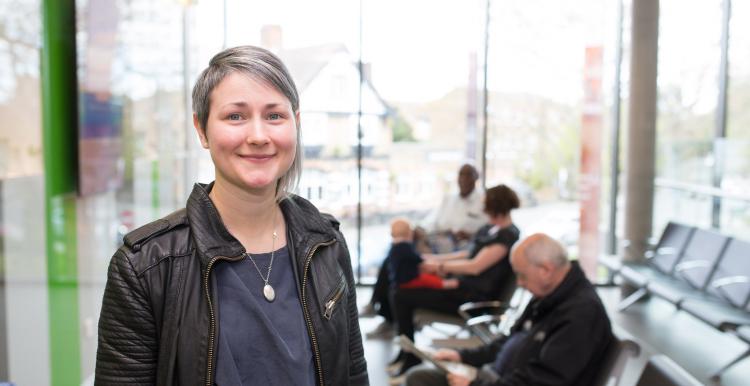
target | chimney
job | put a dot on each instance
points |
(270, 37)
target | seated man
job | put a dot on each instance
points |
(458, 217)
(559, 339)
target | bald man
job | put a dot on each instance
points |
(559, 339)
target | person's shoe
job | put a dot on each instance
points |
(394, 368)
(397, 380)
(409, 361)
(368, 311)
(383, 330)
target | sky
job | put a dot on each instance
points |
(419, 49)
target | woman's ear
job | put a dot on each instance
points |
(296, 116)
(201, 132)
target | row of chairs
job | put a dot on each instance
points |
(660, 370)
(507, 301)
(700, 271)
(483, 320)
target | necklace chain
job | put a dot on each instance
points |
(273, 250)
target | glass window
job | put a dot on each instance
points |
(688, 154)
(420, 109)
(736, 159)
(548, 78)
(687, 89)
(136, 137)
(319, 43)
(24, 311)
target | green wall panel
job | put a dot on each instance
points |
(60, 138)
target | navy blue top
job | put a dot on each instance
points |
(509, 349)
(261, 343)
(403, 261)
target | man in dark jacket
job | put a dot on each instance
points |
(559, 339)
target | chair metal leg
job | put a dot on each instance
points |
(716, 376)
(632, 298)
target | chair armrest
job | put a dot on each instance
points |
(481, 326)
(663, 251)
(611, 262)
(729, 280)
(720, 285)
(485, 320)
(693, 264)
(651, 244)
(466, 309)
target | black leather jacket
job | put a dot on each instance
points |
(158, 321)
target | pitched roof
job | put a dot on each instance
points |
(306, 63)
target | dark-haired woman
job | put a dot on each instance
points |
(477, 274)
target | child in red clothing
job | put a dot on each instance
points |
(404, 261)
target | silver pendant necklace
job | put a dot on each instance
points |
(268, 291)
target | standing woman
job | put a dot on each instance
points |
(249, 284)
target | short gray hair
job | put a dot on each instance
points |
(262, 66)
(541, 248)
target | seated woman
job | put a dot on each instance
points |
(478, 274)
(448, 228)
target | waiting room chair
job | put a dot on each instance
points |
(731, 280)
(486, 320)
(488, 327)
(664, 258)
(502, 301)
(728, 307)
(742, 332)
(700, 259)
(662, 371)
(615, 359)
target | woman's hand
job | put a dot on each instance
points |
(446, 354)
(450, 283)
(457, 380)
(431, 267)
(429, 256)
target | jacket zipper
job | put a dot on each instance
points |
(331, 304)
(212, 330)
(310, 329)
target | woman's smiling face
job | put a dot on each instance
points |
(251, 133)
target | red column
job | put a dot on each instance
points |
(590, 180)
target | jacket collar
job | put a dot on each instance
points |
(572, 279)
(539, 307)
(305, 225)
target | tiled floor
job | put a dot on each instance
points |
(653, 323)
